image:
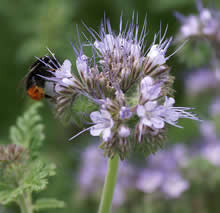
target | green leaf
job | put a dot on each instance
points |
(36, 178)
(48, 203)
(8, 196)
(28, 131)
(19, 176)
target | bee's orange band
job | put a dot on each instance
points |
(36, 93)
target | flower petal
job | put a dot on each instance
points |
(141, 111)
(107, 134)
(146, 82)
(96, 130)
(173, 116)
(157, 122)
(105, 114)
(169, 102)
(81, 64)
(154, 92)
(146, 122)
(150, 105)
(96, 116)
(65, 70)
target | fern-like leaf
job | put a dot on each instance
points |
(28, 131)
(36, 178)
(21, 169)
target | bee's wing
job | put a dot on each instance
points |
(23, 82)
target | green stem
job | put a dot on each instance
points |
(25, 203)
(109, 186)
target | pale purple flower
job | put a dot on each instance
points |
(211, 152)
(174, 185)
(190, 26)
(125, 183)
(149, 89)
(171, 114)
(82, 66)
(209, 145)
(149, 180)
(208, 131)
(124, 131)
(103, 124)
(125, 113)
(217, 73)
(205, 24)
(154, 115)
(209, 21)
(118, 46)
(65, 70)
(180, 155)
(64, 77)
(121, 54)
(62, 86)
(167, 160)
(199, 81)
(119, 196)
(214, 108)
(157, 53)
(92, 174)
(150, 115)
(162, 174)
(148, 112)
(92, 170)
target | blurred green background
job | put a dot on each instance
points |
(28, 27)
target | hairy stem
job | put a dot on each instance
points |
(109, 186)
(25, 203)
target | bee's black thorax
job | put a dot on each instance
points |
(44, 67)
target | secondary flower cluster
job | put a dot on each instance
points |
(130, 85)
(91, 176)
(159, 175)
(205, 25)
(167, 175)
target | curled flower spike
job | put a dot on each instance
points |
(130, 86)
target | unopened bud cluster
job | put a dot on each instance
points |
(12, 161)
(130, 85)
(11, 153)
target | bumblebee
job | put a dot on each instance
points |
(38, 87)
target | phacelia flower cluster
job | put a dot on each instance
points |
(128, 82)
